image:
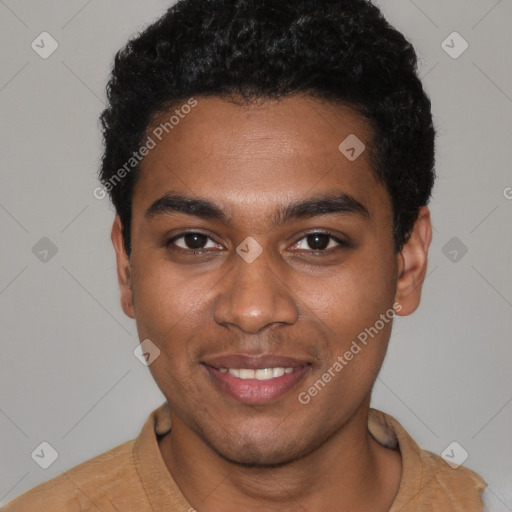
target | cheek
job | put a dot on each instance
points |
(359, 317)
(168, 306)
(356, 306)
(355, 297)
(169, 310)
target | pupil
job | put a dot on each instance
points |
(195, 240)
(318, 241)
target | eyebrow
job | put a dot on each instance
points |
(338, 204)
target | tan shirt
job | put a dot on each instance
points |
(133, 477)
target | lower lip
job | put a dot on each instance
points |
(253, 391)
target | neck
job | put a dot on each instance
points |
(350, 470)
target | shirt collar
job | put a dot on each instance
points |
(161, 489)
(163, 492)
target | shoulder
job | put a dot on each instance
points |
(460, 485)
(87, 486)
(429, 482)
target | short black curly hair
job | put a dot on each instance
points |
(339, 50)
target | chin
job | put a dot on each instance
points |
(261, 442)
(261, 452)
(259, 458)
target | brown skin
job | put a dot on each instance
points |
(291, 301)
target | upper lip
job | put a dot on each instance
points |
(253, 362)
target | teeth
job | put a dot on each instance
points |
(278, 372)
(246, 374)
(259, 374)
(264, 374)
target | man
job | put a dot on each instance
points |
(270, 164)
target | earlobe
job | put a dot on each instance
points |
(412, 264)
(124, 276)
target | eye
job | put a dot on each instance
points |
(319, 242)
(194, 241)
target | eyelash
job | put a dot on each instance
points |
(318, 252)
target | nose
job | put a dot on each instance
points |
(253, 296)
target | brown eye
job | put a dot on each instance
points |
(319, 242)
(194, 241)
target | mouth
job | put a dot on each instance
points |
(256, 379)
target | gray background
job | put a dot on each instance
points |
(68, 373)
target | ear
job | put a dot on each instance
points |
(123, 268)
(412, 264)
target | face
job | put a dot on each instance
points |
(257, 245)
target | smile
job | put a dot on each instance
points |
(256, 386)
(257, 374)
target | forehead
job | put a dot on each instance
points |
(258, 154)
